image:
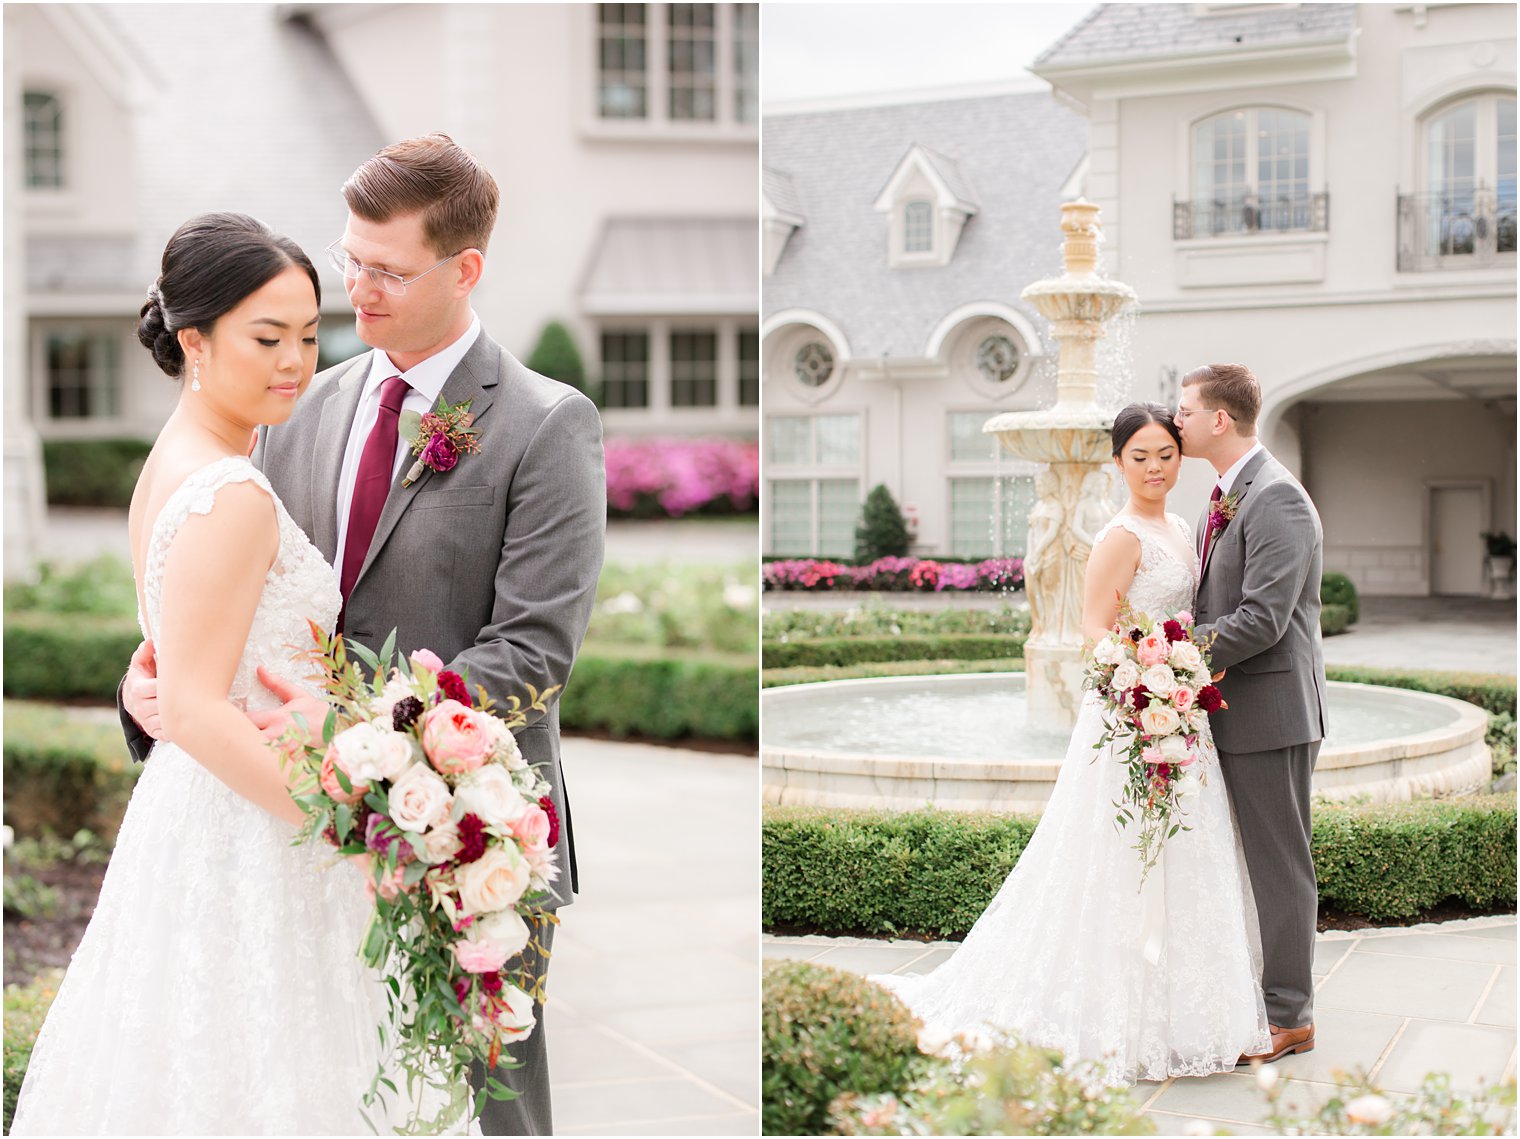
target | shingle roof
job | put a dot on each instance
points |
(1016, 150)
(251, 113)
(781, 191)
(1140, 31)
(951, 172)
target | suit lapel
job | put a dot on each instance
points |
(327, 463)
(474, 379)
(1241, 488)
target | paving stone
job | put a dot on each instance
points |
(633, 981)
(1440, 946)
(864, 959)
(595, 1106)
(742, 1123)
(733, 1065)
(1169, 1123)
(580, 1056)
(1468, 1052)
(1499, 1007)
(1344, 1040)
(1327, 953)
(679, 1024)
(1230, 1095)
(1402, 986)
(790, 950)
(1496, 932)
(934, 958)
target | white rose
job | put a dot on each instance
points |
(506, 930)
(493, 881)
(516, 1016)
(1188, 785)
(504, 744)
(1159, 679)
(369, 753)
(1107, 651)
(439, 844)
(1186, 657)
(489, 793)
(1160, 720)
(419, 799)
(1174, 748)
(1127, 675)
(1369, 1110)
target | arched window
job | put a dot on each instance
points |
(43, 117)
(1468, 206)
(918, 227)
(1251, 174)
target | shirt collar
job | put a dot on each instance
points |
(1227, 480)
(428, 377)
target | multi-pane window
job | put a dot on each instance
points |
(625, 369)
(815, 486)
(83, 374)
(749, 368)
(918, 227)
(991, 494)
(693, 369)
(622, 61)
(692, 62)
(746, 19)
(1470, 177)
(43, 118)
(1251, 173)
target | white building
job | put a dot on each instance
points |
(1325, 192)
(624, 138)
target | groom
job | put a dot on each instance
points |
(1261, 551)
(493, 563)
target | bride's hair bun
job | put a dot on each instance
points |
(211, 265)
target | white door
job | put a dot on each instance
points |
(1456, 555)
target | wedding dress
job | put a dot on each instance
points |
(1071, 953)
(218, 988)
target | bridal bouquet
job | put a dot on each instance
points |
(458, 832)
(1153, 680)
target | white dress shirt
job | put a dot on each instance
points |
(1227, 480)
(426, 380)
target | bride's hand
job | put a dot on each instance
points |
(275, 723)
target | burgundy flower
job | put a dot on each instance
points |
(462, 989)
(490, 983)
(1173, 631)
(1135, 635)
(472, 839)
(331, 835)
(1217, 520)
(440, 454)
(548, 805)
(1137, 695)
(1209, 698)
(405, 712)
(451, 684)
(379, 835)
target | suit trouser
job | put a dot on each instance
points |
(531, 1113)
(1269, 791)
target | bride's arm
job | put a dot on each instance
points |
(213, 578)
(1110, 569)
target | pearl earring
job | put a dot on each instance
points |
(195, 377)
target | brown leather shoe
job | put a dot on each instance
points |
(1285, 1042)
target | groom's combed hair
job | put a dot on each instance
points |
(433, 176)
(1232, 387)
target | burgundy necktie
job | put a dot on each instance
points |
(377, 463)
(1208, 533)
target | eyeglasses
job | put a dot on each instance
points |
(1184, 412)
(390, 282)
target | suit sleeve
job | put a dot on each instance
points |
(550, 559)
(139, 742)
(1279, 549)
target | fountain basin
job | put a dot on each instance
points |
(963, 743)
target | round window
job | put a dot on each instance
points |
(997, 358)
(814, 364)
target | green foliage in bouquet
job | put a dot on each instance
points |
(825, 1031)
(1010, 1089)
(1338, 589)
(26, 1007)
(883, 532)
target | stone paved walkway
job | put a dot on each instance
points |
(1396, 1003)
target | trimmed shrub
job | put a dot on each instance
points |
(1500, 739)
(64, 771)
(934, 871)
(1338, 589)
(52, 656)
(1492, 691)
(883, 532)
(872, 620)
(102, 586)
(825, 1031)
(26, 1007)
(556, 356)
(861, 650)
(1333, 619)
(779, 677)
(92, 472)
(635, 691)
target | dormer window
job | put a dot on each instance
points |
(44, 140)
(927, 202)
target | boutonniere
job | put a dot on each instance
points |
(438, 438)
(1223, 512)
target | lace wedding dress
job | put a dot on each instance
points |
(1072, 954)
(218, 988)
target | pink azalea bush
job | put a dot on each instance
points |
(650, 477)
(897, 575)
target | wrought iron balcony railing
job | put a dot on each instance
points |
(1246, 213)
(1466, 229)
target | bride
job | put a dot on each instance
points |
(218, 989)
(1072, 953)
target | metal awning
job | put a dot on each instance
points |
(676, 266)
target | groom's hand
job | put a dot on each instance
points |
(139, 692)
(294, 699)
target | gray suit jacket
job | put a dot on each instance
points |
(1259, 598)
(492, 565)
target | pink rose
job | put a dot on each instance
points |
(428, 659)
(330, 764)
(484, 956)
(1152, 649)
(1184, 617)
(454, 738)
(1182, 697)
(392, 882)
(1152, 755)
(531, 828)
